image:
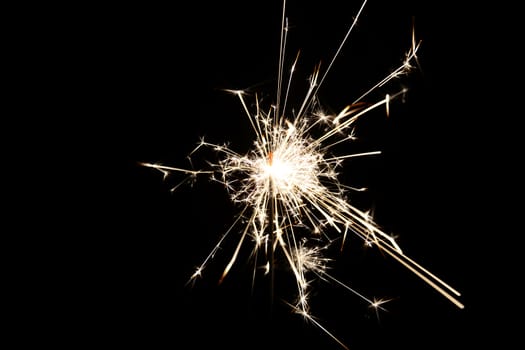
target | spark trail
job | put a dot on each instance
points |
(292, 204)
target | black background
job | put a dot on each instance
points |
(144, 82)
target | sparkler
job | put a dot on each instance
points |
(292, 204)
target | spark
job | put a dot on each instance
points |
(287, 187)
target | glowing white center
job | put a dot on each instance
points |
(278, 170)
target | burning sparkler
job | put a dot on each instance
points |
(291, 200)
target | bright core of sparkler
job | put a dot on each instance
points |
(292, 202)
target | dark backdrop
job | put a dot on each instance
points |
(151, 81)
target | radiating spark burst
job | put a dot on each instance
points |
(287, 186)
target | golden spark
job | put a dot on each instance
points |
(291, 200)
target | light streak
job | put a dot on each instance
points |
(291, 200)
